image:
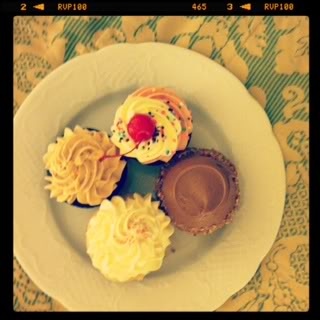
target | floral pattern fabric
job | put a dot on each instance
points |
(270, 55)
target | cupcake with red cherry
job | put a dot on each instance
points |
(152, 125)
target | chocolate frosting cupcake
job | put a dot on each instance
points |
(199, 190)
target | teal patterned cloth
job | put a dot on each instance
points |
(270, 55)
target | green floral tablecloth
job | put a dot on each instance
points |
(270, 55)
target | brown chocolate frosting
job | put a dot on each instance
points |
(199, 190)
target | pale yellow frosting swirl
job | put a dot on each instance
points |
(127, 239)
(76, 172)
(168, 129)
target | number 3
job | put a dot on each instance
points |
(229, 6)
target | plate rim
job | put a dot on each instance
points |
(18, 251)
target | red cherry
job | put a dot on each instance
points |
(141, 127)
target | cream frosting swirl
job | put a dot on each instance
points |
(76, 172)
(127, 239)
(177, 106)
(165, 142)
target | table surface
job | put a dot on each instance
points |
(270, 55)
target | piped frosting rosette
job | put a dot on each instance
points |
(76, 172)
(165, 140)
(177, 106)
(127, 239)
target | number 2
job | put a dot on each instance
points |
(229, 6)
(23, 7)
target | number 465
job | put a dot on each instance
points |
(200, 6)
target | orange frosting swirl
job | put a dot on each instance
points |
(178, 108)
(76, 172)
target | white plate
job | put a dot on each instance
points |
(204, 271)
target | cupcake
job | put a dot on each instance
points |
(83, 166)
(177, 106)
(199, 190)
(127, 239)
(151, 130)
